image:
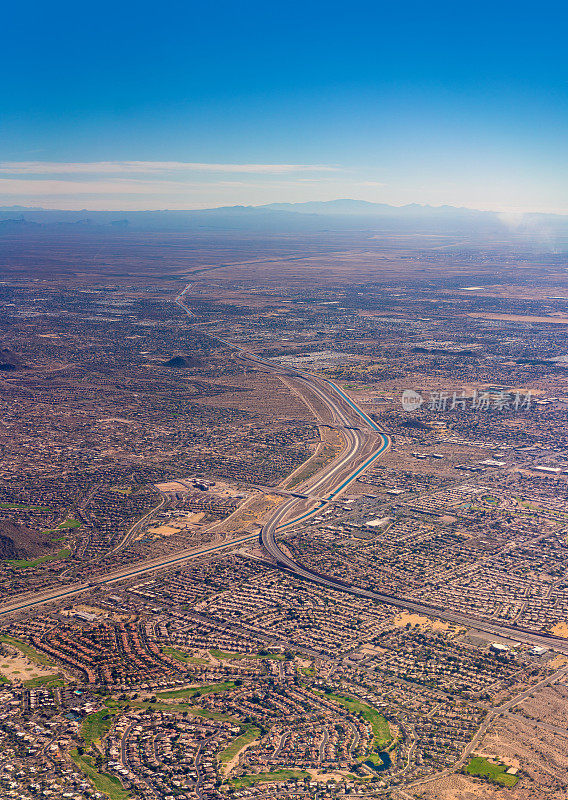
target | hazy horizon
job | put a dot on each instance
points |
(152, 186)
(511, 212)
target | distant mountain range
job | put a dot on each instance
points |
(365, 208)
(345, 214)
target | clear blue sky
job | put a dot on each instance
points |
(433, 102)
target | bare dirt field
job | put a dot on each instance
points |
(263, 393)
(552, 319)
(252, 513)
(549, 704)
(17, 667)
(327, 450)
(425, 623)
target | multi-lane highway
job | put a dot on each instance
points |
(362, 434)
(365, 442)
(359, 443)
(23, 602)
(285, 517)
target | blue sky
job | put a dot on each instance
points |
(186, 105)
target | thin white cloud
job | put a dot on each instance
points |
(31, 187)
(130, 185)
(40, 188)
(151, 167)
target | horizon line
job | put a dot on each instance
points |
(512, 212)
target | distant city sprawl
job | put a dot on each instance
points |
(282, 518)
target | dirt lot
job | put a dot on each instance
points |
(251, 514)
(425, 623)
(552, 319)
(17, 667)
(263, 394)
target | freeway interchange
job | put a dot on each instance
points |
(354, 457)
(365, 442)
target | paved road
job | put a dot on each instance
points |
(537, 723)
(21, 603)
(124, 745)
(466, 619)
(323, 744)
(280, 744)
(365, 442)
(355, 743)
(134, 529)
(284, 517)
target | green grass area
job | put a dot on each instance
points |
(64, 526)
(97, 725)
(28, 650)
(251, 732)
(44, 680)
(211, 688)
(224, 655)
(244, 781)
(495, 773)
(4, 679)
(23, 564)
(309, 671)
(172, 708)
(69, 523)
(381, 731)
(179, 655)
(271, 656)
(24, 506)
(527, 504)
(107, 784)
